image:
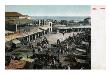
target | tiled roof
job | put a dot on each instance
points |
(13, 14)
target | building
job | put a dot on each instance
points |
(15, 15)
(14, 20)
(20, 27)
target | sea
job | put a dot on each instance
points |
(78, 18)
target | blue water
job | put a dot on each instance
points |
(60, 17)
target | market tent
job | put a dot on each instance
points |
(39, 30)
(80, 60)
(16, 41)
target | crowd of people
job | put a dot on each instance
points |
(47, 56)
(65, 48)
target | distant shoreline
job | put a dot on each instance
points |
(60, 17)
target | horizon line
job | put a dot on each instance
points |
(60, 15)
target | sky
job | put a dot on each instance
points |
(50, 10)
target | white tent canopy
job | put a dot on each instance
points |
(44, 28)
(16, 41)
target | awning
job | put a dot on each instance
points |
(8, 32)
(15, 41)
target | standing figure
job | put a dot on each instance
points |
(63, 33)
(58, 41)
